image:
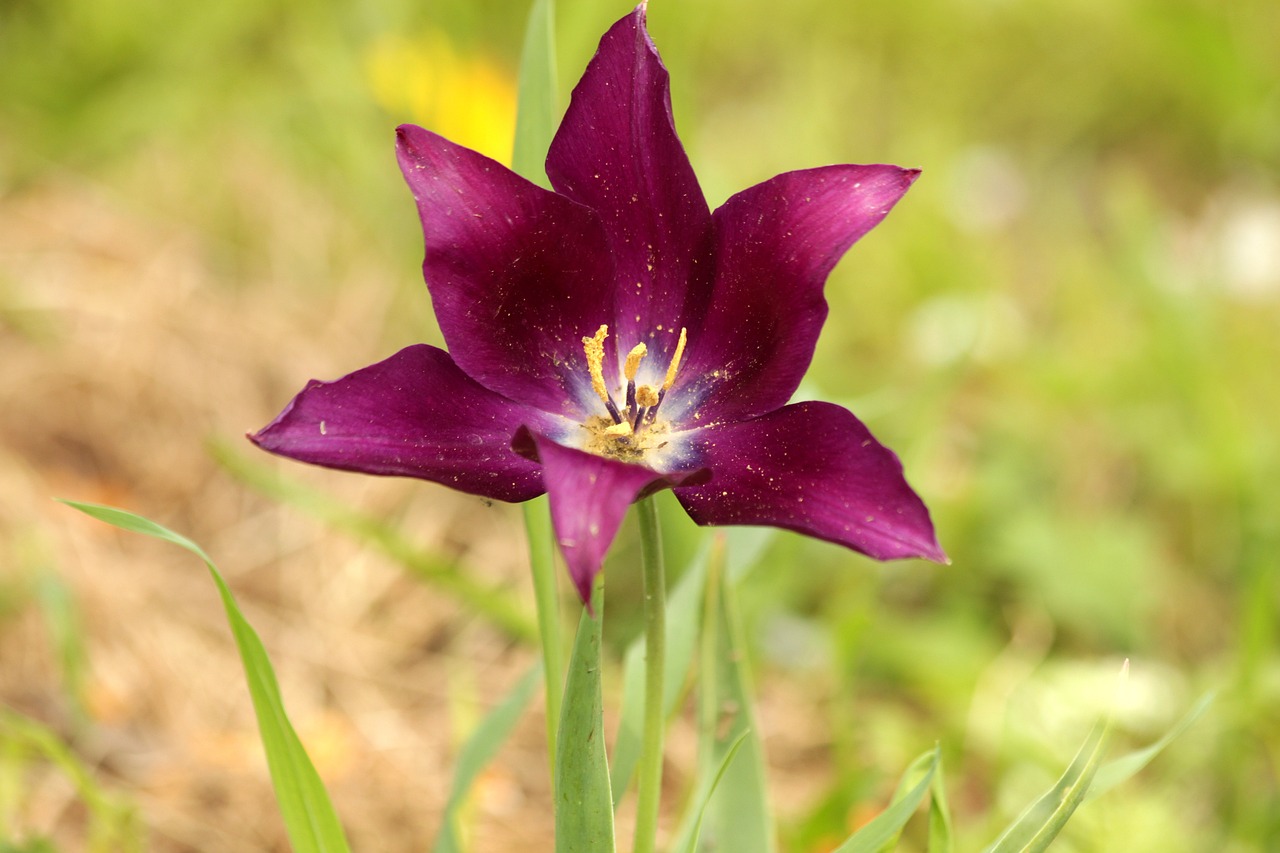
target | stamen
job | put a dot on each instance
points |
(638, 352)
(675, 363)
(594, 349)
(647, 395)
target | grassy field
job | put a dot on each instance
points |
(1070, 330)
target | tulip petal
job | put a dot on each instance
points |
(517, 274)
(813, 468)
(775, 244)
(589, 496)
(413, 415)
(617, 152)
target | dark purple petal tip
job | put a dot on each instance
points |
(813, 468)
(413, 415)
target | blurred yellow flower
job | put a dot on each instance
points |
(465, 97)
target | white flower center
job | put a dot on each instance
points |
(631, 431)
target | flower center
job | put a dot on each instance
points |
(632, 430)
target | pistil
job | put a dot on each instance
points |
(629, 370)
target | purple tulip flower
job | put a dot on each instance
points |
(615, 337)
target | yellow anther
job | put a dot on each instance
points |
(594, 348)
(629, 369)
(675, 363)
(647, 395)
(622, 430)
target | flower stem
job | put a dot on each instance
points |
(537, 523)
(649, 781)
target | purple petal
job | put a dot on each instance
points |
(589, 496)
(775, 244)
(518, 275)
(617, 152)
(813, 468)
(414, 415)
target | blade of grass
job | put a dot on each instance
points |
(584, 807)
(703, 797)
(683, 620)
(542, 565)
(882, 832)
(536, 105)
(535, 126)
(113, 824)
(494, 603)
(309, 816)
(1115, 772)
(1045, 818)
(478, 751)
(738, 816)
(940, 837)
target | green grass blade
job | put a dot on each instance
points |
(478, 751)
(584, 806)
(882, 833)
(738, 816)
(683, 620)
(542, 565)
(536, 113)
(1115, 772)
(1036, 827)
(704, 796)
(113, 823)
(494, 603)
(940, 836)
(308, 814)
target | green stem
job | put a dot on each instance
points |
(542, 559)
(649, 780)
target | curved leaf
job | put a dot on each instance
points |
(883, 830)
(309, 816)
(584, 806)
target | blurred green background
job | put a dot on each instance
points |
(1070, 330)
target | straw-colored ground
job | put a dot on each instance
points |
(122, 357)
(1067, 330)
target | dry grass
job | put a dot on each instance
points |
(123, 350)
(122, 353)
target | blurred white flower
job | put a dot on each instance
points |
(981, 327)
(988, 190)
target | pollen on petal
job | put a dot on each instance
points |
(638, 352)
(675, 362)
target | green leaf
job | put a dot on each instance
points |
(542, 565)
(682, 623)
(112, 823)
(1036, 827)
(584, 807)
(1115, 772)
(703, 797)
(478, 751)
(309, 817)
(535, 126)
(738, 816)
(536, 104)
(940, 840)
(882, 833)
